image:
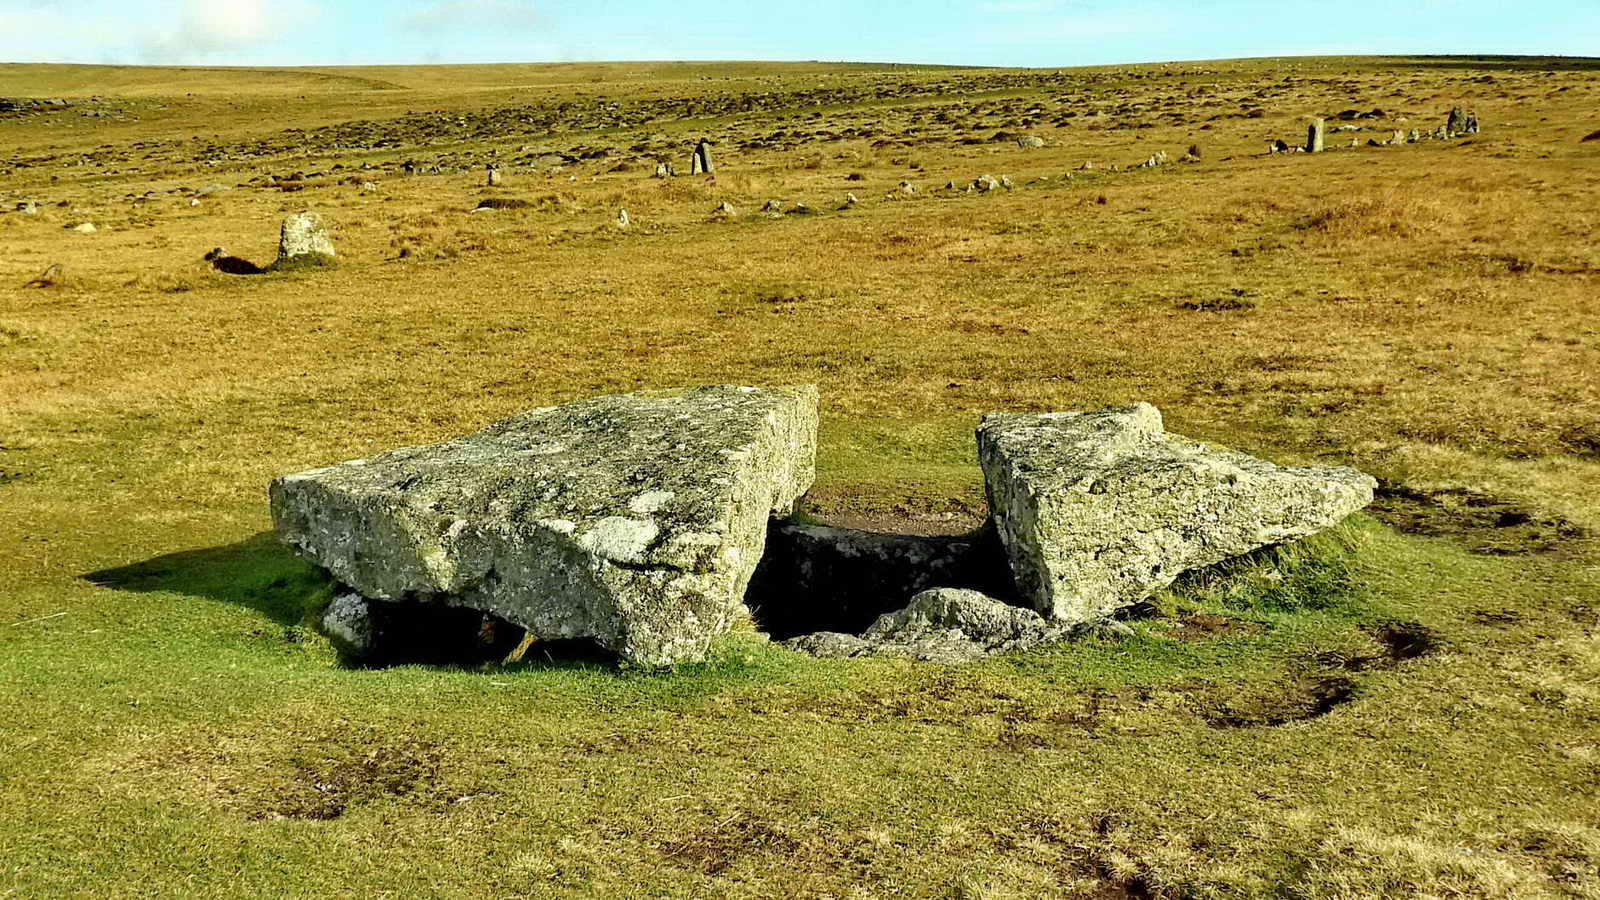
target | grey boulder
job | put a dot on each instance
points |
(635, 520)
(1098, 510)
(948, 625)
(303, 233)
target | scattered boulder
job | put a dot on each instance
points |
(303, 234)
(1029, 141)
(83, 228)
(634, 520)
(946, 625)
(1097, 510)
(725, 209)
(985, 183)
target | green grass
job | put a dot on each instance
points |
(1367, 713)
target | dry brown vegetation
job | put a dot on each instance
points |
(1426, 312)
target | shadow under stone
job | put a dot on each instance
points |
(820, 578)
(257, 572)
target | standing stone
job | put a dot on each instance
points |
(303, 233)
(1471, 124)
(622, 219)
(700, 163)
(1454, 123)
(1414, 136)
(1400, 137)
(27, 208)
(493, 179)
(634, 520)
(663, 170)
(1097, 510)
(1317, 136)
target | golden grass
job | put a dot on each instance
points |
(1425, 312)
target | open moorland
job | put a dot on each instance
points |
(1408, 705)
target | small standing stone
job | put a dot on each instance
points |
(303, 233)
(622, 219)
(725, 209)
(1317, 136)
(701, 162)
(1471, 126)
(493, 179)
(27, 208)
(1455, 123)
(663, 170)
(1400, 137)
(850, 200)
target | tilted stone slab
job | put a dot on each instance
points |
(635, 520)
(1098, 510)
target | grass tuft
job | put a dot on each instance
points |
(1310, 574)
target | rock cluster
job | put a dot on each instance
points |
(639, 522)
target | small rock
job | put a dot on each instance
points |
(725, 209)
(1027, 141)
(772, 206)
(850, 200)
(493, 179)
(27, 208)
(83, 228)
(622, 219)
(946, 625)
(348, 621)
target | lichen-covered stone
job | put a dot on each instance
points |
(1098, 510)
(634, 520)
(948, 625)
(303, 233)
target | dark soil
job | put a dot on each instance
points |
(1484, 523)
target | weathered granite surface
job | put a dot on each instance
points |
(1098, 510)
(948, 625)
(635, 520)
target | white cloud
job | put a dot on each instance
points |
(473, 15)
(202, 28)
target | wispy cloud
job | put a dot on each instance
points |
(472, 15)
(204, 28)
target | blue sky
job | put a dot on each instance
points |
(984, 32)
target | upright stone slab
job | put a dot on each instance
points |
(303, 233)
(1097, 510)
(1455, 122)
(1317, 136)
(635, 520)
(702, 159)
(492, 178)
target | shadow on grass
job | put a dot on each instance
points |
(257, 572)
